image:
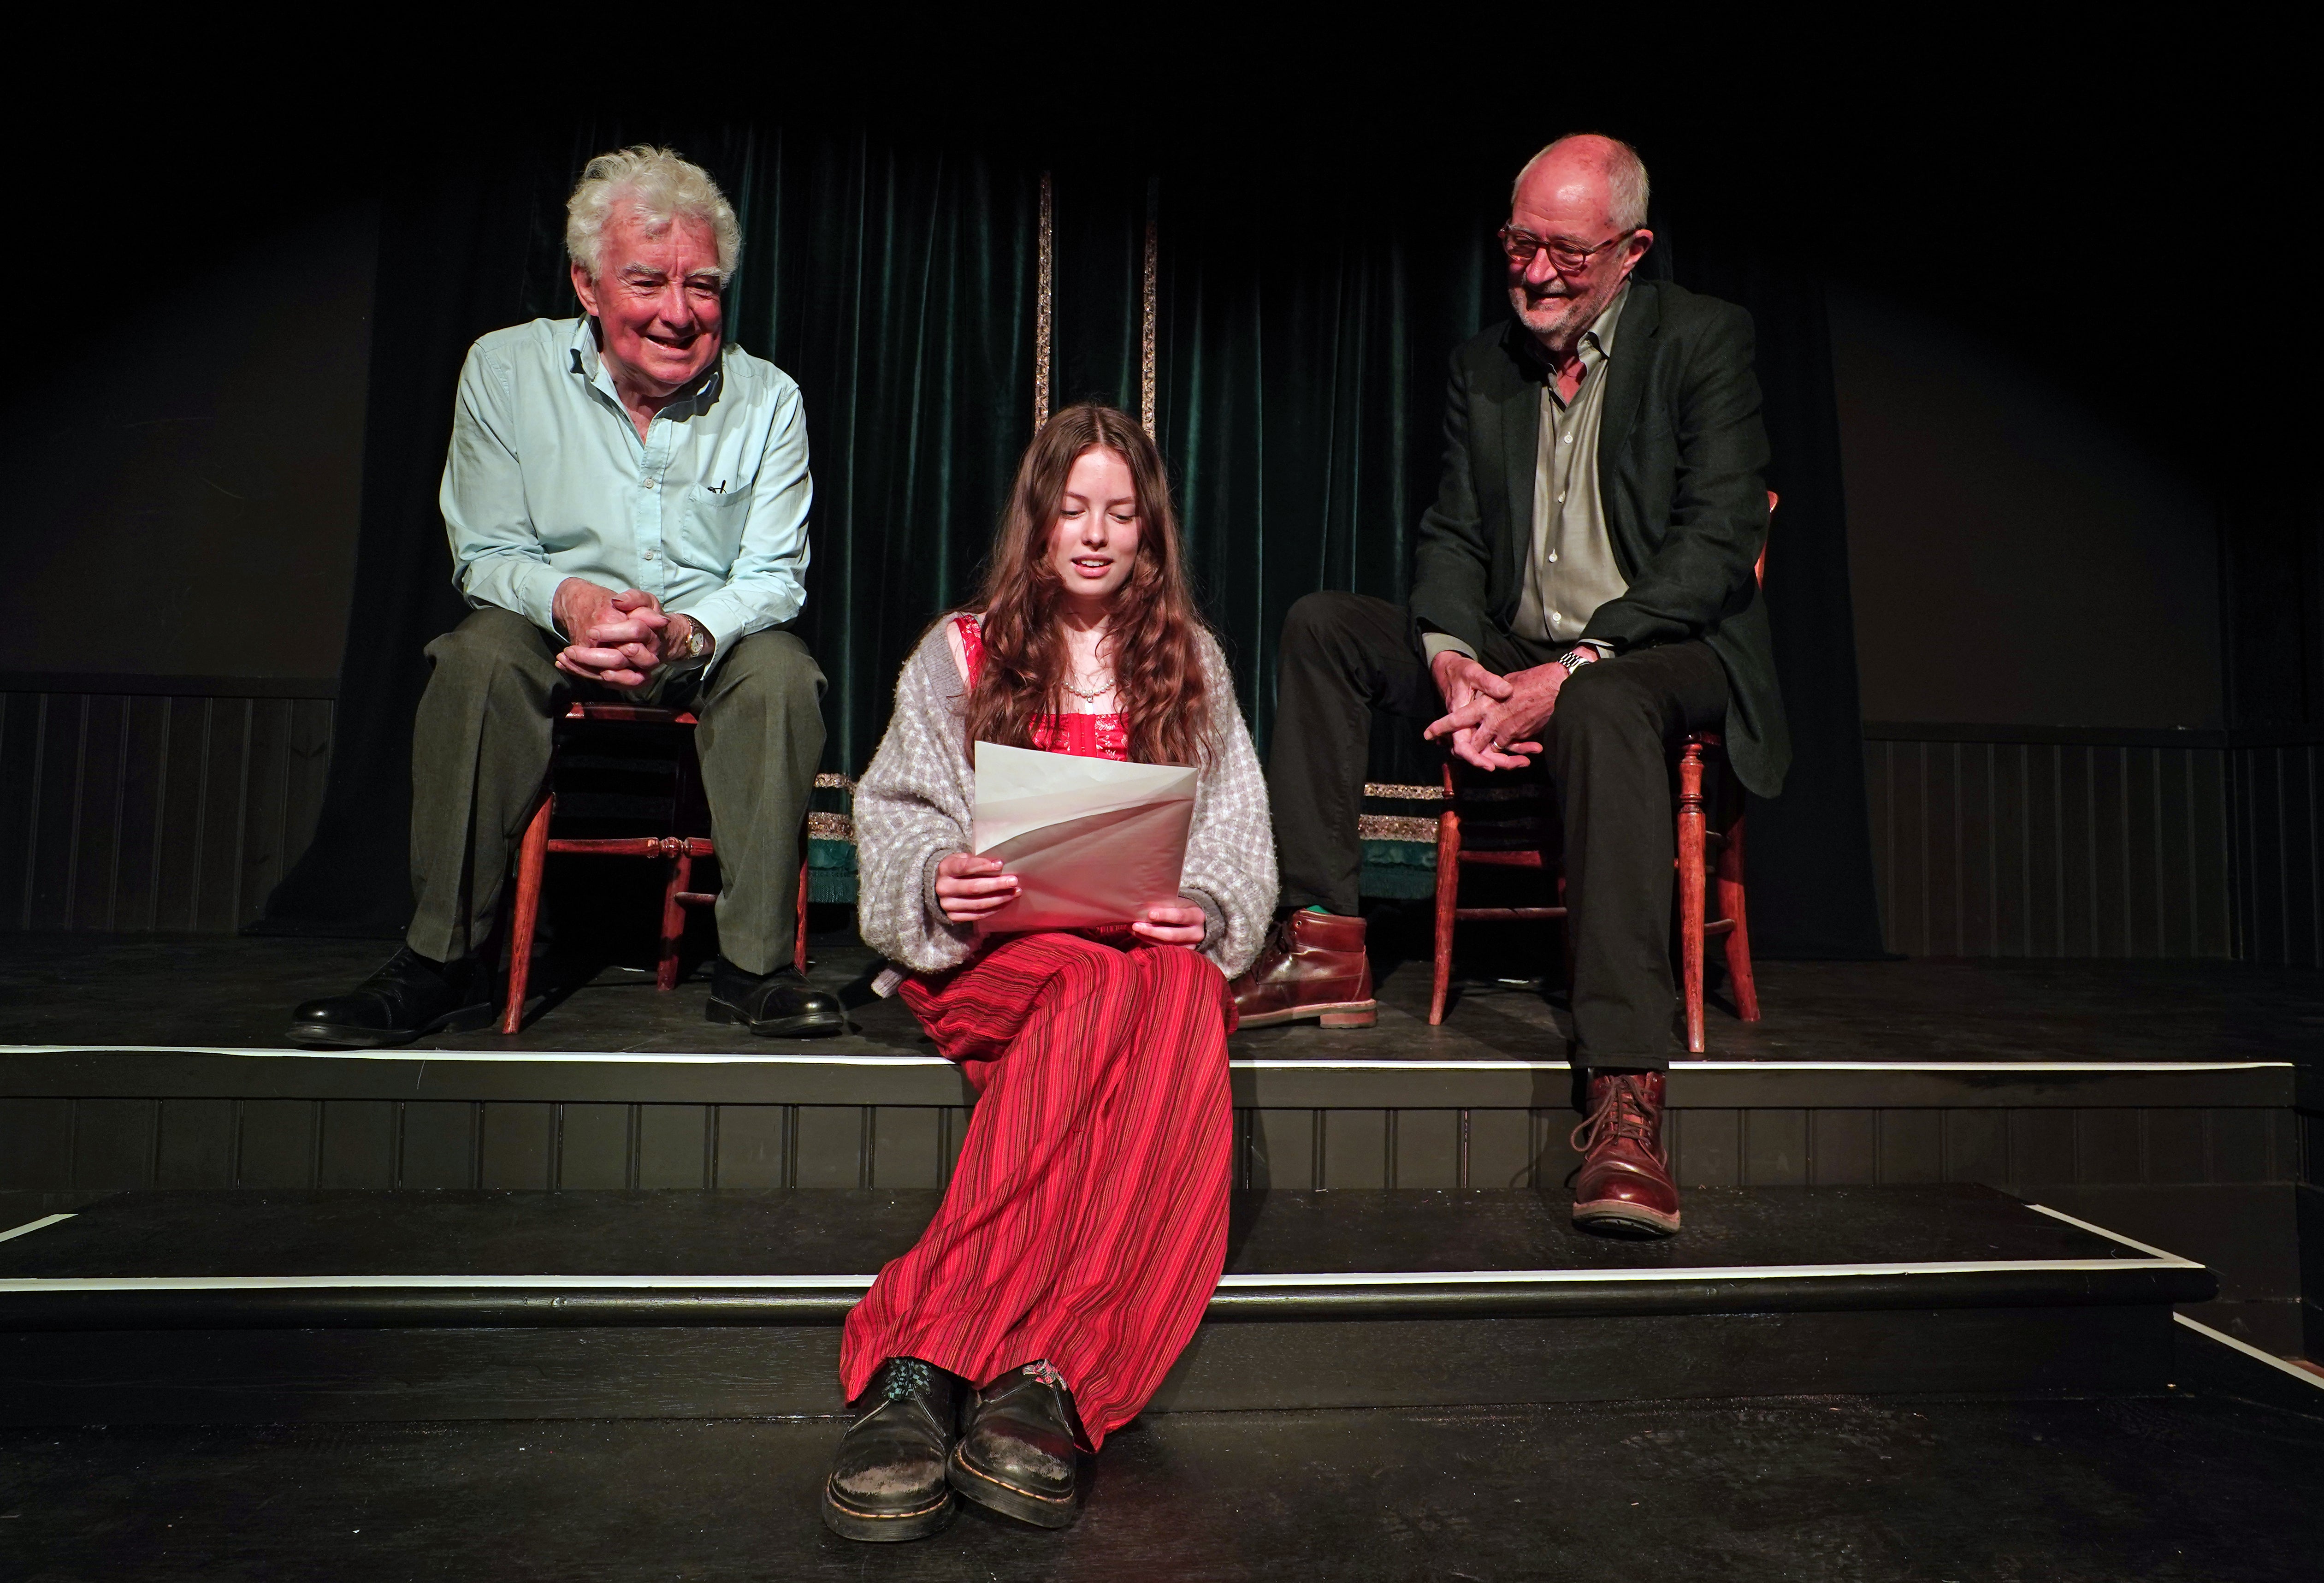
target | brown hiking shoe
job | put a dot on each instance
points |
(1312, 965)
(1624, 1188)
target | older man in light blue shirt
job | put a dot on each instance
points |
(626, 497)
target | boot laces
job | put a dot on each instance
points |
(906, 1377)
(1621, 1117)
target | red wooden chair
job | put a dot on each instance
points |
(1710, 847)
(681, 849)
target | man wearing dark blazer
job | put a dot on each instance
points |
(1584, 592)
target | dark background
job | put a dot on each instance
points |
(2030, 380)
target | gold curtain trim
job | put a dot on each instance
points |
(1044, 310)
(1146, 317)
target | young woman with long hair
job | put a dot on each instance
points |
(1085, 1225)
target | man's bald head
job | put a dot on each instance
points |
(1607, 166)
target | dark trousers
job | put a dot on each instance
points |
(1609, 747)
(480, 751)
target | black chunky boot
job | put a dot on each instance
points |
(1018, 1455)
(887, 1482)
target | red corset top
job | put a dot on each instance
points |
(1088, 736)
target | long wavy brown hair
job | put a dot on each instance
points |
(1153, 635)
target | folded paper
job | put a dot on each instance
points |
(1090, 840)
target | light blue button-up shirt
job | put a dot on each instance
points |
(548, 480)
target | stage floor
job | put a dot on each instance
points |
(97, 990)
(2212, 1483)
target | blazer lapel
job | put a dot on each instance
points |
(1626, 387)
(1520, 442)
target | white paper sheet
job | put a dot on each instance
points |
(1090, 840)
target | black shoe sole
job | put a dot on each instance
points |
(873, 1528)
(995, 1494)
(805, 1025)
(335, 1036)
(1624, 1220)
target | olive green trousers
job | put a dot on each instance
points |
(480, 754)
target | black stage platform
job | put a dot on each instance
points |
(2212, 1481)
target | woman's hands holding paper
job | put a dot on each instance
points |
(970, 888)
(1171, 923)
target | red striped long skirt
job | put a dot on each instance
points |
(1086, 1220)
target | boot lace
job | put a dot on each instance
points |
(905, 1377)
(1621, 1116)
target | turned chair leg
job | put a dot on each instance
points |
(673, 919)
(532, 857)
(798, 936)
(1691, 889)
(1448, 901)
(1738, 937)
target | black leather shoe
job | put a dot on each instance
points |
(409, 997)
(1017, 1456)
(887, 1482)
(781, 1004)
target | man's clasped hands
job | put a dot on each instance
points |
(624, 640)
(1495, 722)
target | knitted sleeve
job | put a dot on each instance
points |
(914, 808)
(1230, 850)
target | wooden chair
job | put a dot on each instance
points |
(1710, 836)
(681, 849)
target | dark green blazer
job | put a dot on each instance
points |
(1680, 451)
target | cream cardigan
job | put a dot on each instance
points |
(914, 806)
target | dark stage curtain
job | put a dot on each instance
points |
(1301, 390)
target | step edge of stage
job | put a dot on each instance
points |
(458, 1301)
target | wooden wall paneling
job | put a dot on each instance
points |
(20, 736)
(35, 1143)
(113, 1143)
(1974, 810)
(1500, 1149)
(1912, 1147)
(2208, 855)
(1426, 1149)
(138, 826)
(358, 1145)
(2108, 1146)
(2176, 1145)
(828, 1145)
(1908, 795)
(265, 807)
(2041, 1145)
(750, 1145)
(437, 1143)
(196, 1147)
(1843, 1146)
(183, 803)
(1976, 1145)
(275, 1142)
(1709, 1149)
(595, 1147)
(95, 832)
(56, 792)
(225, 781)
(1942, 900)
(2009, 931)
(1555, 1159)
(516, 1145)
(1285, 1152)
(952, 1132)
(2241, 1147)
(908, 1146)
(306, 774)
(675, 1146)
(1774, 1148)
(1880, 819)
(1358, 1151)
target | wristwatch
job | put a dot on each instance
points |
(1576, 657)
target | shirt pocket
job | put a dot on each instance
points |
(710, 537)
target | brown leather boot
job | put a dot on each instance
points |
(1624, 1188)
(1312, 965)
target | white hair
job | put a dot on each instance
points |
(1626, 188)
(658, 187)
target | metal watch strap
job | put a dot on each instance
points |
(1576, 657)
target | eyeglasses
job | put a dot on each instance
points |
(1521, 245)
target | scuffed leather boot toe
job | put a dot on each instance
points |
(1018, 1455)
(888, 1483)
(1313, 966)
(1624, 1186)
